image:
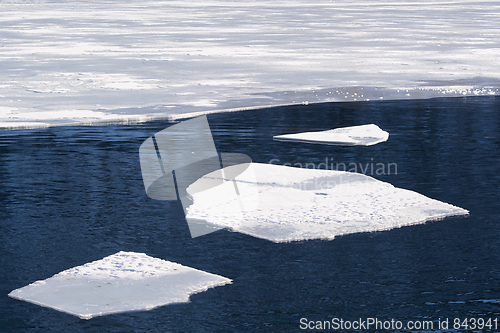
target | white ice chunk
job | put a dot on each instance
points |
(285, 204)
(364, 135)
(125, 281)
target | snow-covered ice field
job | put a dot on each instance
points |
(121, 61)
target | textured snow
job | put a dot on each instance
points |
(364, 135)
(99, 61)
(125, 281)
(283, 204)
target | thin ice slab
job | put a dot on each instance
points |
(125, 281)
(364, 135)
(284, 204)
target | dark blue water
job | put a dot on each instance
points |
(70, 195)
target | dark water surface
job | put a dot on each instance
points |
(71, 195)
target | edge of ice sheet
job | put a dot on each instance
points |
(363, 135)
(135, 114)
(284, 204)
(97, 288)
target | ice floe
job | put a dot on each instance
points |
(364, 135)
(283, 204)
(125, 281)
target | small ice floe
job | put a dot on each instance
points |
(283, 204)
(364, 135)
(125, 281)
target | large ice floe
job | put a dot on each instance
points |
(283, 204)
(125, 281)
(364, 135)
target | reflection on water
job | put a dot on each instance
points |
(70, 195)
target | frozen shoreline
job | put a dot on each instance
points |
(96, 63)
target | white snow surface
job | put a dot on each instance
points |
(90, 62)
(283, 204)
(363, 135)
(125, 281)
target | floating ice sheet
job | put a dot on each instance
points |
(261, 54)
(364, 135)
(283, 204)
(125, 281)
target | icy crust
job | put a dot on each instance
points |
(104, 63)
(284, 204)
(364, 135)
(125, 281)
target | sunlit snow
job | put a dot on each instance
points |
(364, 135)
(283, 204)
(97, 61)
(125, 281)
